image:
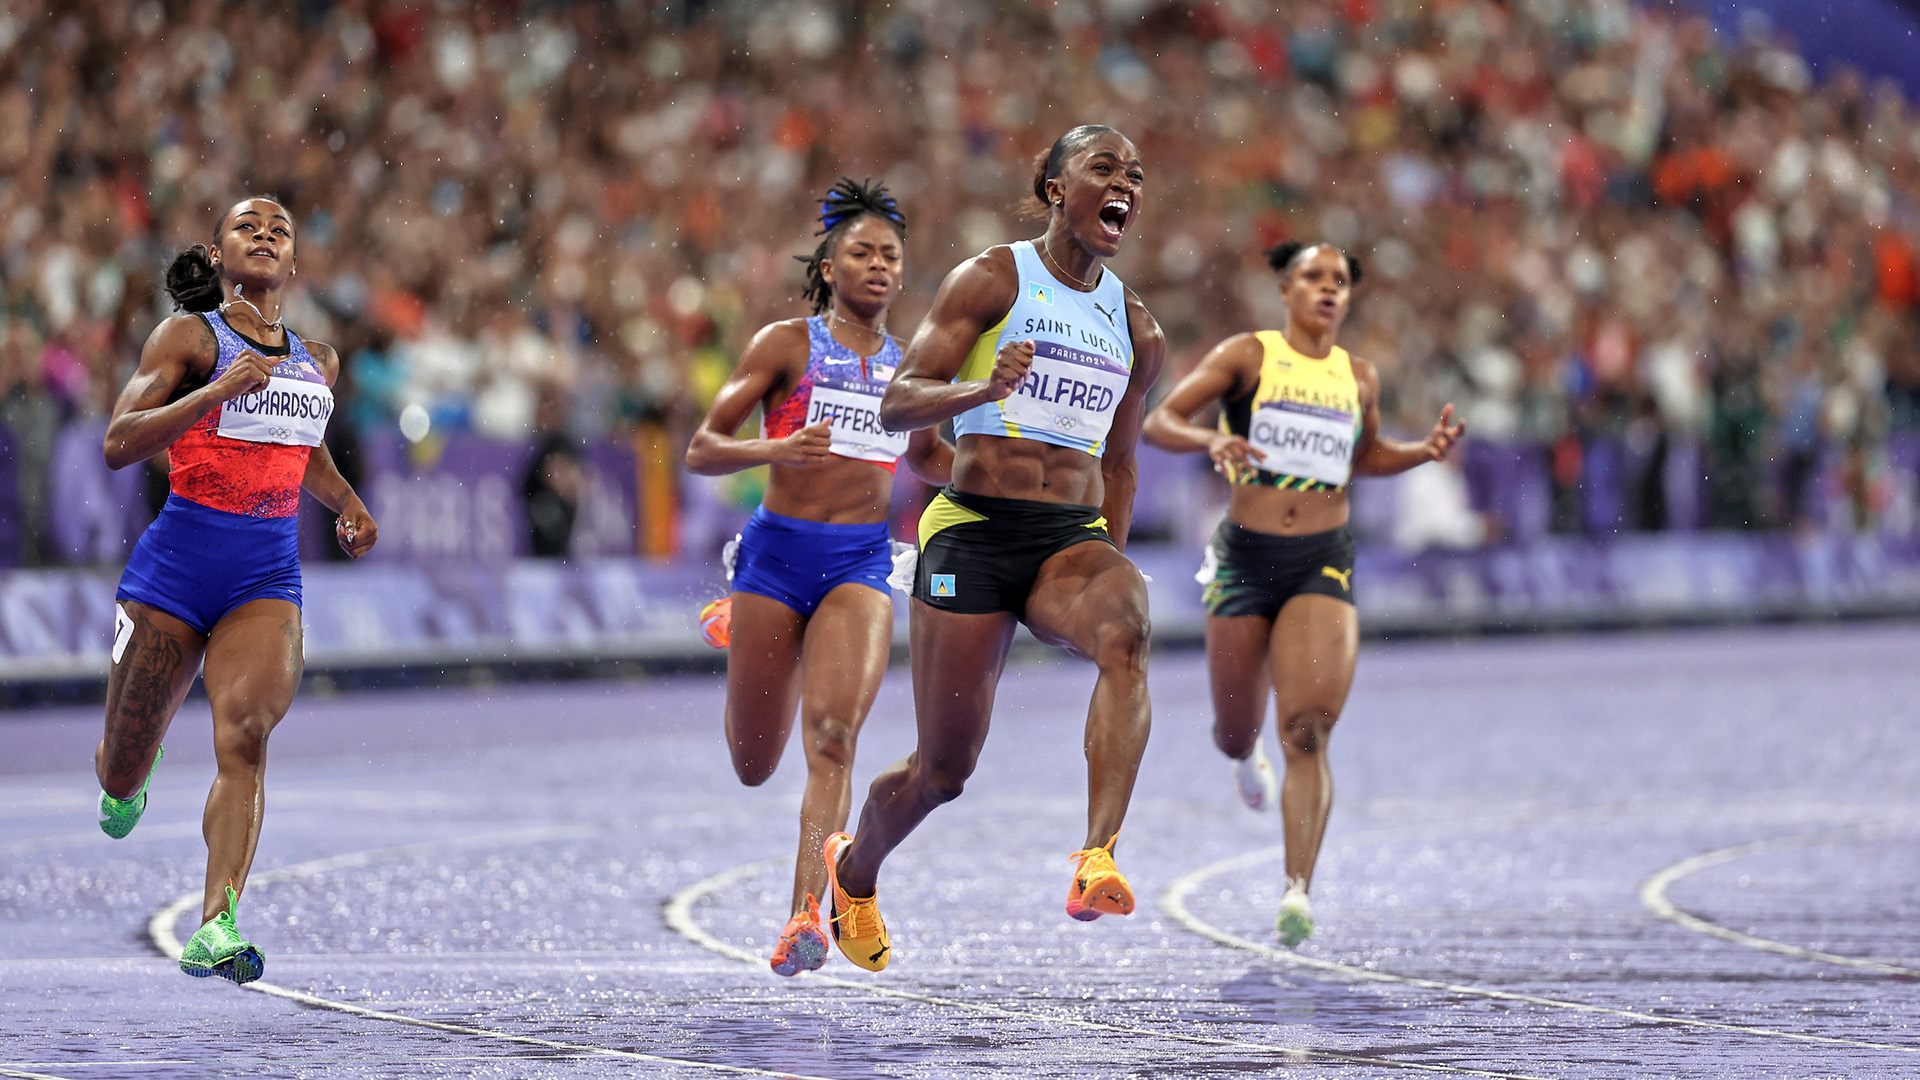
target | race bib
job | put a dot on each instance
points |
(1309, 441)
(1068, 390)
(852, 411)
(291, 412)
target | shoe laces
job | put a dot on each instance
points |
(1092, 860)
(808, 917)
(859, 920)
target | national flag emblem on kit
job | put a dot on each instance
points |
(940, 584)
(1040, 292)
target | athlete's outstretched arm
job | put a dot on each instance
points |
(930, 456)
(976, 295)
(1380, 456)
(354, 529)
(1228, 370)
(772, 361)
(148, 416)
(1119, 461)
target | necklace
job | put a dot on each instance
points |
(272, 324)
(1048, 259)
(880, 334)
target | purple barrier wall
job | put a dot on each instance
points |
(375, 614)
(461, 499)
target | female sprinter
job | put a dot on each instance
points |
(1298, 417)
(1042, 359)
(240, 405)
(812, 614)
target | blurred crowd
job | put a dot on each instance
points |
(1601, 229)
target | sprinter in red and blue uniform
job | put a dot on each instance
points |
(810, 595)
(240, 405)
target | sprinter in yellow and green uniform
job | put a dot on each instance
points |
(1298, 418)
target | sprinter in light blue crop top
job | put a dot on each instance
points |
(1082, 360)
(1042, 359)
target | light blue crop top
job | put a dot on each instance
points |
(1082, 360)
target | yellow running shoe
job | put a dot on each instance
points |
(856, 924)
(1098, 886)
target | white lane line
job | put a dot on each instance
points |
(160, 929)
(30, 1075)
(678, 913)
(1174, 903)
(1653, 896)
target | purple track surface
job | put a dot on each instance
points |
(562, 880)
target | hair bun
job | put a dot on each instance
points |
(192, 280)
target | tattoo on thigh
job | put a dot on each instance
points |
(145, 699)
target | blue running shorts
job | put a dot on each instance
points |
(196, 563)
(798, 562)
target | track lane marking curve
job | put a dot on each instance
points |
(1173, 902)
(160, 931)
(678, 913)
(1653, 897)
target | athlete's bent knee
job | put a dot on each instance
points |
(943, 784)
(1236, 743)
(1121, 641)
(1305, 731)
(830, 741)
(754, 769)
(242, 741)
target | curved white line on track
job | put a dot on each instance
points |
(160, 929)
(678, 913)
(29, 1075)
(1653, 896)
(1174, 903)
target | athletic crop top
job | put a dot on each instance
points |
(1082, 360)
(249, 455)
(1303, 414)
(843, 388)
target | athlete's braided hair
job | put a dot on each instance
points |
(846, 203)
(192, 280)
(1281, 257)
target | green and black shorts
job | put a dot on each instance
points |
(981, 554)
(1256, 573)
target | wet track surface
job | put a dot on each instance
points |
(561, 880)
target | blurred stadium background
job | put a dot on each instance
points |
(1663, 256)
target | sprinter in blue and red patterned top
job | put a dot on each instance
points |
(810, 595)
(240, 405)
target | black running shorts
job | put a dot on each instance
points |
(1256, 573)
(981, 554)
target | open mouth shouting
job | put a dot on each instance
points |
(1114, 215)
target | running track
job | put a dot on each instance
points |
(1669, 855)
